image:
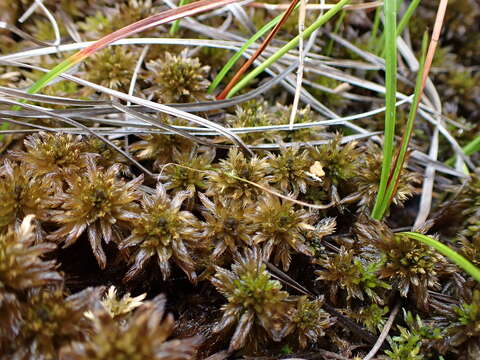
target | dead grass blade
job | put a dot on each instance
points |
(384, 333)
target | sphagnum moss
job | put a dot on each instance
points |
(50, 320)
(225, 186)
(368, 176)
(191, 172)
(117, 324)
(408, 265)
(310, 321)
(21, 269)
(52, 156)
(290, 169)
(112, 67)
(20, 195)
(347, 273)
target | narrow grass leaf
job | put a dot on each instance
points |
(407, 16)
(400, 159)
(469, 149)
(260, 49)
(390, 98)
(176, 24)
(233, 60)
(287, 47)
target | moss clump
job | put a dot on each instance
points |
(98, 203)
(409, 266)
(142, 336)
(368, 177)
(224, 182)
(163, 231)
(177, 79)
(353, 275)
(256, 303)
(112, 67)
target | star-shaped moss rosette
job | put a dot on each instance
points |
(177, 78)
(50, 320)
(52, 156)
(339, 161)
(289, 170)
(112, 67)
(164, 232)
(97, 202)
(22, 195)
(367, 178)
(228, 226)
(408, 265)
(191, 172)
(21, 269)
(253, 113)
(346, 272)
(223, 182)
(144, 335)
(282, 229)
(256, 305)
(309, 321)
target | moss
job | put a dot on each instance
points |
(282, 229)
(177, 79)
(165, 232)
(352, 274)
(464, 331)
(368, 177)
(409, 266)
(225, 186)
(97, 203)
(328, 98)
(142, 336)
(254, 301)
(111, 67)
(21, 195)
(205, 238)
(51, 321)
(414, 342)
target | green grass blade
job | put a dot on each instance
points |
(44, 80)
(376, 25)
(446, 251)
(232, 61)
(390, 98)
(469, 149)
(392, 186)
(176, 25)
(407, 16)
(287, 47)
(336, 29)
